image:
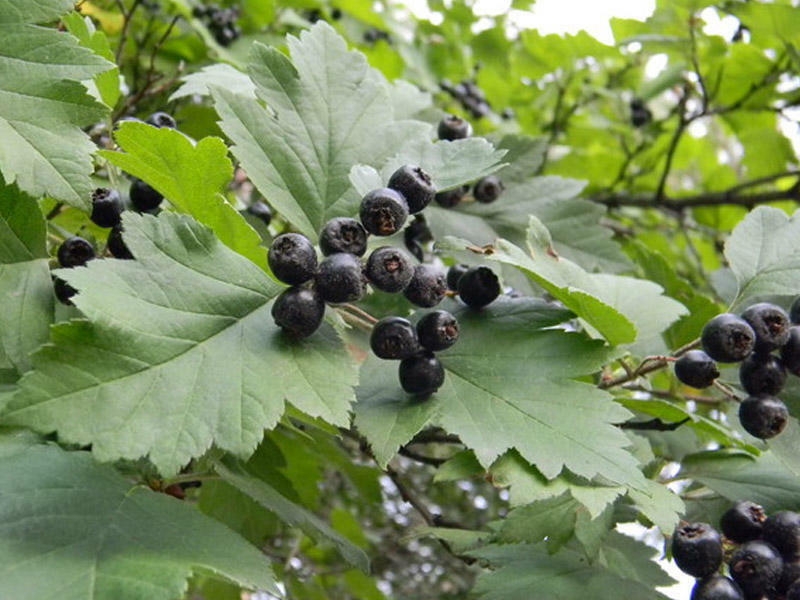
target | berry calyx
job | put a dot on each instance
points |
(697, 549)
(383, 211)
(340, 278)
(782, 530)
(292, 258)
(298, 311)
(394, 338)
(427, 286)
(75, 252)
(728, 338)
(478, 287)
(763, 417)
(716, 587)
(743, 522)
(415, 185)
(488, 189)
(106, 207)
(389, 269)
(696, 368)
(762, 374)
(343, 234)
(144, 197)
(756, 567)
(421, 375)
(770, 324)
(161, 119)
(452, 127)
(438, 330)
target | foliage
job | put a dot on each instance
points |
(160, 437)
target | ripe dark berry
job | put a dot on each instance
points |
(762, 374)
(292, 258)
(641, 117)
(340, 278)
(75, 252)
(790, 351)
(756, 567)
(427, 286)
(478, 287)
(728, 338)
(106, 207)
(793, 592)
(454, 273)
(116, 245)
(64, 291)
(743, 522)
(763, 417)
(415, 235)
(161, 119)
(696, 368)
(716, 587)
(144, 197)
(770, 324)
(451, 198)
(697, 549)
(298, 311)
(794, 311)
(343, 234)
(782, 530)
(452, 127)
(383, 211)
(488, 189)
(394, 338)
(415, 185)
(438, 330)
(389, 269)
(421, 375)
(261, 210)
(790, 574)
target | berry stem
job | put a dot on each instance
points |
(364, 315)
(647, 365)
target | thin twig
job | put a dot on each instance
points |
(648, 365)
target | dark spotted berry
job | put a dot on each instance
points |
(743, 522)
(454, 273)
(383, 211)
(75, 252)
(421, 375)
(343, 234)
(144, 197)
(292, 258)
(416, 235)
(716, 587)
(389, 269)
(427, 286)
(770, 324)
(697, 549)
(106, 207)
(415, 185)
(696, 368)
(478, 287)
(762, 374)
(790, 351)
(728, 338)
(452, 127)
(298, 311)
(438, 330)
(782, 530)
(763, 417)
(451, 198)
(394, 338)
(488, 189)
(756, 567)
(340, 278)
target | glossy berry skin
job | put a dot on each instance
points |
(63, 291)
(478, 287)
(756, 567)
(340, 278)
(415, 185)
(790, 574)
(438, 330)
(261, 210)
(770, 324)
(116, 245)
(421, 375)
(762, 374)
(389, 269)
(292, 258)
(696, 368)
(394, 338)
(451, 198)
(782, 530)
(697, 549)
(161, 119)
(383, 211)
(106, 207)
(75, 252)
(488, 189)
(143, 197)
(427, 286)
(298, 310)
(452, 127)
(415, 235)
(716, 587)
(763, 417)
(790, 351)
(743, 522)
(343, 234)
(728, 338)
(454, 274)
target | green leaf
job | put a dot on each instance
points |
(108, 82)
(26, 290)
(327, 110)
(76, 530)
(218, 75)
(764, 255)
(292, 513)
(32, 11)
(179, 352)
(509, 383)
(193, 177)
(43, 105)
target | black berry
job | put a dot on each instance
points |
(452, 127)
(790, 574)
(161, 119)
(261, 210)
(416, 235)
(794, 311)
(421, 375)
(389, 269)
(696, 368)
(790, 351)
(63, 291)
(488, 189)
(383, 211)
(438, 330)
(454, 273)
(427, 286)
(75, 252)
(697, 549)
(716, 587)
(144, 197)
(478, 287)
(756, 567)
(770, 324)
(415, 185)
(116, 245)
(340, 278)
(728, 338)
(762, 374)
(451, 198)
(793, 592)
(743, 522)
(394, 338)
(298, 310)
(343, 234)
(763, 417)
(782, 530)
(641, 117)
(292, 258)
(106, 207)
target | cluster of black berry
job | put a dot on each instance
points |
(763, 555)
(750, 338)
(470, 96)
(221, 22)
(640, 114)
